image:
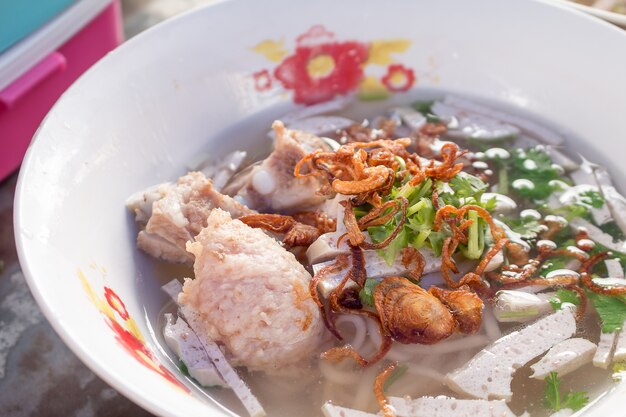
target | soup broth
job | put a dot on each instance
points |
(303, 387)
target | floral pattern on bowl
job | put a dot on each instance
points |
(125, 328)
(320, 67)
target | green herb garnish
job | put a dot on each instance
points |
(366, 294)
(611, 309)
(563, 296)
(592, 198)
(613, 229)
(553, 400)
(183, 368)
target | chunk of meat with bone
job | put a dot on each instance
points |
(251, 295)
(174, 213)
(272, 186)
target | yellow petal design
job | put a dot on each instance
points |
(372, 89)
(131, 326)
(273, 50)
(380, 51)
(99, 302)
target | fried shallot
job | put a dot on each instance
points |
(296, 233)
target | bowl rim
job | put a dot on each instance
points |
(123, 387)
(615, 18)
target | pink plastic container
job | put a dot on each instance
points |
(25, 102)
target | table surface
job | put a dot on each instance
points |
(39, 375)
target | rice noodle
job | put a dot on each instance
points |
(491, 326)
(360, 329)
(424, 371)
(363, 393)
(337, 372)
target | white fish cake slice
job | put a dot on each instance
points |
(331, 410)
(488, 375)
(620, 347)
(604, 352)
(564, 358)
(449, 407)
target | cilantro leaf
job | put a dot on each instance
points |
(552, 264)
(535, 165)
(613, 229)
(563, 296)
(424, 107)
(183, 368)
(467, 185)
(553, 401)
(527, 227)
(611, 309)
(436, 241)
(575, 400)
(572, 211)
(366, 294)
(592, 198)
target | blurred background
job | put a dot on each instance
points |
(44, 46)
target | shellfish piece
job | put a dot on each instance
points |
(411, 314)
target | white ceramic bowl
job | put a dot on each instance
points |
(189, 86)
(617, 18)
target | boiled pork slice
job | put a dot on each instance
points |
(251, 296)
(174, 213)
(272, 186)
(488, 375)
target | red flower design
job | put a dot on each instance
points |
(141, 353)
(398, 78)
(315, 35)
(116, 303)
(262, 80)
(318, 73)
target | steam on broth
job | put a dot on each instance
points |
(438, 258)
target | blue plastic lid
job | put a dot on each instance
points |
(20, 18)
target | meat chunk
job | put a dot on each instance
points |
(488, 375)
(251, 296)
(272, 186)
(174, 213)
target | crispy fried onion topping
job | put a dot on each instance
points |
(455, 219)
(367, 170)
(379, 390)
(295, 233)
